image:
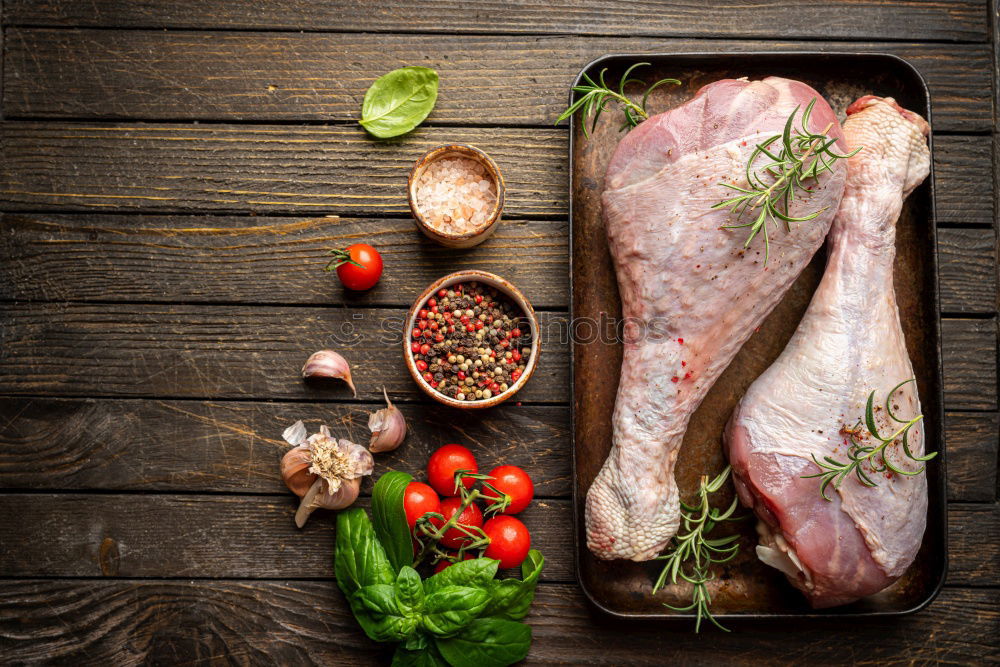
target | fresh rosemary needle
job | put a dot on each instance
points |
(595, 96)
(800, 156)
(692, 552)
(835, 472)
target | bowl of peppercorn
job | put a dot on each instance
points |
(471, 340)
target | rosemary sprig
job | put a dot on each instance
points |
(835, 472)
(597, 94)
(693, 547)
(801, 156)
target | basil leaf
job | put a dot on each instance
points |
(477, 572)
(380, 615)
(425, 657)
(409, 590)
(416, 642)
(390, 517)
(487, 642)
(451, 608)
(399, 101)
(359, 558)
(511, 598)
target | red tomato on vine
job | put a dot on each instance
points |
(358, 266)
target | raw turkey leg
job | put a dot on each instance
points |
(848, 344)
(691, 295)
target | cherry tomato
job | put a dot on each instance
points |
(515, 483)
(442, 466)
(359, 266)
(471, 516)
(445, 564)
(509, 541)
(418, 500)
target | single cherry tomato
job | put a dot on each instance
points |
(358, 266)
(442, 466)
(418, 500)
(445, 564)
(509, 541)
(470, 516)
(514, 482)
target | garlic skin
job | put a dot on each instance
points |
(328, 364)
(323, 471)
(388, 427)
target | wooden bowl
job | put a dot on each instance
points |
(485, 230)
(506, 288)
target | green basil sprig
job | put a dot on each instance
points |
(461, 616)
(399, 101)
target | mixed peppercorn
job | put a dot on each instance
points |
(470, 342)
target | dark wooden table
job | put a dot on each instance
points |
(170, 176)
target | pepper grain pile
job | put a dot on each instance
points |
(470, 342)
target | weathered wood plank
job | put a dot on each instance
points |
(973, 550)
(967, 266)
(52, 257)
(235, 446)
(257, 260)
(905, 19)
(969, 355)
(168, 167)
(255, 537)
(288, 622)
(310, 76)
(971, 441)
(259, 168)
(960, 195)
(205, 446)
(204, 536)
(223, 352)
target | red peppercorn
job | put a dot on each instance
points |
(493, 353)
(439, 338)
(461, 375)
(425, 349)
(434, 326)
(479, 325)
(470, 328)
(495, 387)
(479, 298)
(504, 343)
(433, 385)
(464, 319)
(515, 333)
(435, 310)
(516, 374)
(428, 377)
(442, 293)
(515, 356)
(451, 328)
(426, 333)
(415, 347)
(422, 314)
(422, 324)
(421, 365)
(416, 333)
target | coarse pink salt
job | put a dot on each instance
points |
(455, 195)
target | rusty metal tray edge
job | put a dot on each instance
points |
(940, 510)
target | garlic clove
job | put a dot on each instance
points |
(295, 470)
(360, 459)
(328, 364)
(295, 434)
(388, 427)
(320, 495)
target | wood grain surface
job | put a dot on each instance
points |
(951, 20)
(311, 170)
(295, 76)
(170, 179)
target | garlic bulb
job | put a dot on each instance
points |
(328, 364)
(323, 471)
(388, 427)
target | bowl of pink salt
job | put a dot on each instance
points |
(456, 194)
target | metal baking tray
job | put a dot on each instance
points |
(745, 587)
